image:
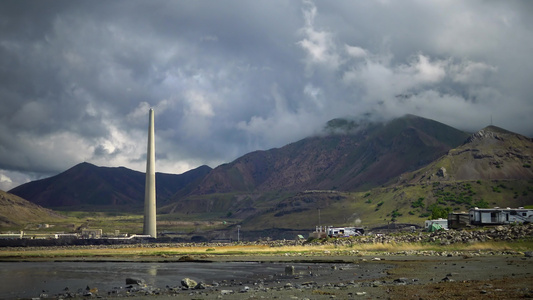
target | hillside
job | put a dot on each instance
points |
(85, 185)
(491, 153)
(401, 204)
(492, 168)
(347, 157)
(15, 211)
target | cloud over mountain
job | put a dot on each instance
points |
(227, 78)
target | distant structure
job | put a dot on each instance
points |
(149, 189)
(325, 231)
(91, 233)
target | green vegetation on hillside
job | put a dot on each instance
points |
(411, 204)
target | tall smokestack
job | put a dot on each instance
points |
(149, 188)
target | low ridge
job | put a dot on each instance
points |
(15, 211)
(492, 153)
(88, 185)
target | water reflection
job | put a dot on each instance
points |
(152, 270)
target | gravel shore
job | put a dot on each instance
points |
(486, 275)
(390, 277)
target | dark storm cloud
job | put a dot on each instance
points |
(227, 77)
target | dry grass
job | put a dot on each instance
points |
(142, 251)
(500, 246)
(156, 251)
(390, 247)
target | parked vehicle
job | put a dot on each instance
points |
(345, 231)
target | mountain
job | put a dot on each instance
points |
(15, 211)
(86, 185)
(492, 168)
(492, 153)
(347, 157)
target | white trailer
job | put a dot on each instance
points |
(345, 231)
(500, 216)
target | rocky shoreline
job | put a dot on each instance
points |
(442, 237)
(500, 276)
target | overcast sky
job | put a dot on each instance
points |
(225, 78)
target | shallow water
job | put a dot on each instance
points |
(31, 279)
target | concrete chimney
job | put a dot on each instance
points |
(149, 188)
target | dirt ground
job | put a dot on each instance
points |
(492, 277)
(390, 277)
(461, 276)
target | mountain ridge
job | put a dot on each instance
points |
(490, 153)
(353, 160)
(14, 211)
(89, 185)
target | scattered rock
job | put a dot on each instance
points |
(447, 279)
(200, 286)
(188, 283)
(288, 285)
(137, 281)
(289, 270)
(401, 281)
(499, 233)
